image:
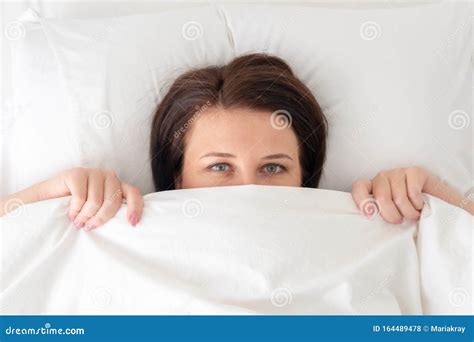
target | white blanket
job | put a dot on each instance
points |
(238, 250)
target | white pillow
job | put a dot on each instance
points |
(34, 100)
(114, 71)
(35, 125)
(345, 74)
(394, 84)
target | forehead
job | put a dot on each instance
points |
(239, 129)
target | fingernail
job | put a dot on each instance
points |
(79, 224)
(72, 216)
(133, 219)
(90, 226)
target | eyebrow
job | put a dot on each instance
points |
(218, 154)
(229, 155)
(278, 156)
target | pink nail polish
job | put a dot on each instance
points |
(79, 224)
(133, 219)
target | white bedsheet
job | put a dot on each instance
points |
(238, 250)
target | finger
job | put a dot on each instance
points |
(383, 194)
(95, 198)
(112, 202)
(415, 181)
(76, 181)
(400, 196)
(134, 203)
(361, 190)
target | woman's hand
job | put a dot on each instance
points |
(96, 196)
(397, 194)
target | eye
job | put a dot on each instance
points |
(273, 168)
(219, 167)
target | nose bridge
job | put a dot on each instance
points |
(247, 175)
(249, 178)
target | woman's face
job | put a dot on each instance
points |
(238, 146)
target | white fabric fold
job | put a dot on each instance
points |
(238, 250)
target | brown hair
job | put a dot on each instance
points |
(255, 81)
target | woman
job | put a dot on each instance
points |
(249, 122)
